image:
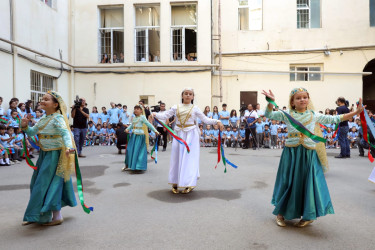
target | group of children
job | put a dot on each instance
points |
(11, 148)
(269, 134)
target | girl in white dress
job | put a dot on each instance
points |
(184, 166)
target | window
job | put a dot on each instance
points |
(308, 14)
(40, 84)
(147, 33)
(250, 15)
(184, 32)
(372, 13)
(310, 74)
(111, 35)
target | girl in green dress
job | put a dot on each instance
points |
(51, 186)
(301, 190)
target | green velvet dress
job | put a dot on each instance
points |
(48, 191)
(300, 188)
(136, 153)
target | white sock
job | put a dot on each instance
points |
(56, 215)
(7, 160)
(2, 161)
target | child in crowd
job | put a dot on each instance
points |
(208, 136)
(280, 138)
(111, 135)
(273, 129)
(259, 132)
(16, 150)
(5, 140)
(13, 120)
(227, 137)
(102, 133)
(91, 133)
(152, 138)
(241, 137)
(352, 136)
(329, 138)
(267, 136)
(4, 159)
(38, 116)
(215, 135)
(201, 136)
(234, 137)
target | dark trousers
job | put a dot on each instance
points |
(165, 136)
(252, 132)
(343, 141)
(79, 138)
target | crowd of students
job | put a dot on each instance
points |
(106, 127)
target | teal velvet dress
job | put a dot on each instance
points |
(48, 191)
(136, 153)
(300, 188)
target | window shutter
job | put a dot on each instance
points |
(315, 14)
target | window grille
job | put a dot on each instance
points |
(184, 32)
(310, 74)
(308, 14)
(40, 84)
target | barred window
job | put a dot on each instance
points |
(308, 14)
(40, 84)
(147, 33)
(250, 15)
(184, 32)
(111, 35)
(306, 73)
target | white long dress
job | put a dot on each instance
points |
(184, 166)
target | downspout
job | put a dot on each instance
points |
(71, 49)
(12, 32)
(220, 57)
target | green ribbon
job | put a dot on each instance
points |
(297, 125)
(80, 187)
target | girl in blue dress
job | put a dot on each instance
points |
(301, 190)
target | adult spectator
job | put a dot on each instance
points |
(251, 117)
(163, 132)
(147, 112)
(114, 115)
(80, 115)
(344, 129)
(224, 115)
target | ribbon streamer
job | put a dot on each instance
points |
(299, 126)
(27, 155)
(80, 186)
(4, 120)
(366, 123)
(34, 140)
(220, 153)
(172, 133)
(155, 149)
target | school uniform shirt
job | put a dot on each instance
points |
(260, 112)
(215, 132)
(19, 137)
(233, 120)
(226, 133)
(208, 132)
(13, 123)
(12, 142)
(5, 144)
(114, 115)
(209, 114)
(353, 135)
(223, 113)
(234, 134)
(104, 117)
(280, 135)
(23, 113)
(103, 131)
(110, 131)
(259, 128)
(152, 134)
(242, 133)
(91, 129)
(215, 116)
(286, 135)
(267, 133)
(273, 128)
(95, 117)
(125, 117)
(1, 111)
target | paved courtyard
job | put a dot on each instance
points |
(225, 211)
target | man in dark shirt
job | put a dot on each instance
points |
(344, 129)
(80, 116)
(147, 112)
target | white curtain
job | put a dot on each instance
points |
(147, 16)
(251, 17)
(111, 18)
(184, 15)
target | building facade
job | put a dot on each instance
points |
(123, 51)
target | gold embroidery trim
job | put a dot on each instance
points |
(187, 116)
(185, 126)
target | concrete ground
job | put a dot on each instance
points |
(225, 211)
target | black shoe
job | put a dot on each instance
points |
(31, 156)
(361, 154)
(164, 150)
(245, 148)
(340, 156)
(119, 151)
(348, 156)
(254, 148)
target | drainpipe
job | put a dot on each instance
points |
(220, 57)
(12, 32)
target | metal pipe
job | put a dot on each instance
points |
(220, 55)
(34, 51)
(239, 71)
(148, 66)
(296, 50)
(13, 49)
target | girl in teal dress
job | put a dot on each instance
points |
(136, 153)
(51, 186)
(301, 190)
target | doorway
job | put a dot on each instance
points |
(248, 97)
(369, 86)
